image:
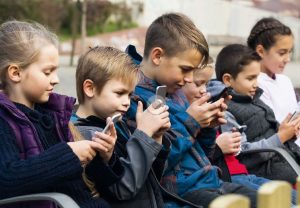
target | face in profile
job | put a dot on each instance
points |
(39, 78)
(275, 59)
(246, 81)
(114, 98)
(197, 88)
(175, 72)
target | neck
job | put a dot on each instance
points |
(17, 97)
(267, 72)
(84, 110)
(147, 69)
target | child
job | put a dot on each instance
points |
(105, 79)
(273, 41)
(189, 173)
(37, 152)
(228, 143)
(238, 67)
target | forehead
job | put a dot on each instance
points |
(283, 42)
(204, 73)
(189, 57)
(117, 83)
(252, 69)
(48, 55)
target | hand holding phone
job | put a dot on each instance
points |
(222, 94)
(114, 119)
(295, 115)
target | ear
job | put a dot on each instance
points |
(88, 88)
(156, 54)
(260, 50)
(14, 73)
(227, 79)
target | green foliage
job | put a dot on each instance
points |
(59, 15)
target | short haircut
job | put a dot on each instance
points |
(174, 33)
(101, 64)
(265, 31)
(233, 58)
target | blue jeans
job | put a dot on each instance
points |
(254, 182)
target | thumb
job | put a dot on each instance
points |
(203, 99)
(139, 109)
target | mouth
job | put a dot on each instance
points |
(122, 112)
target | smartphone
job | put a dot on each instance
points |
(295, 115)
(160, 95)
(222, 94)
(114, 119)
(242, 128)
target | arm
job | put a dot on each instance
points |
(142, 151)
(272, 141)
(34, 174)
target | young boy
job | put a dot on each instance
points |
(238, 67)
(105, 79)
(174, 48)
(228, 143)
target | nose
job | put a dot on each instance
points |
(126, 101)
(188, 77)
(287, 58)
(255, 83)
(203, 89)
(54, 79)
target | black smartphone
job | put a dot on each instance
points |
(242, 128)
(295, 115)
(222, 94)
(114, 119)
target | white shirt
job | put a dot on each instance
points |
(279, 94)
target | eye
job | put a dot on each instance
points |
(186, 69)
(47, 73)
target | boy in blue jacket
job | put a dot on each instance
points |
(189, 173)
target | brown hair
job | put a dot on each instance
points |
(174, 33)
(264, 32)
(101, 64)
(20, 44)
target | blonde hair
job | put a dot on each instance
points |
(78, 137)
(101, 64)
(20, 44)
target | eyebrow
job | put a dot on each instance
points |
(187, 67)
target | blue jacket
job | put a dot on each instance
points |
(188, 166)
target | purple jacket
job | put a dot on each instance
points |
(27, 138)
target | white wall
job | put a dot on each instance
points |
(217, 17)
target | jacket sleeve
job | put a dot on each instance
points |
(272, 141)
(34, 174)
(142, 151)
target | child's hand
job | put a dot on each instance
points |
(288, 129)
(207, 114)
(107, 141)
(152, 120)
(229, 142)
(85, 150)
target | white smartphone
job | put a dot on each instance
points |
(114, 119)
(295, 115)
(160, 95)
